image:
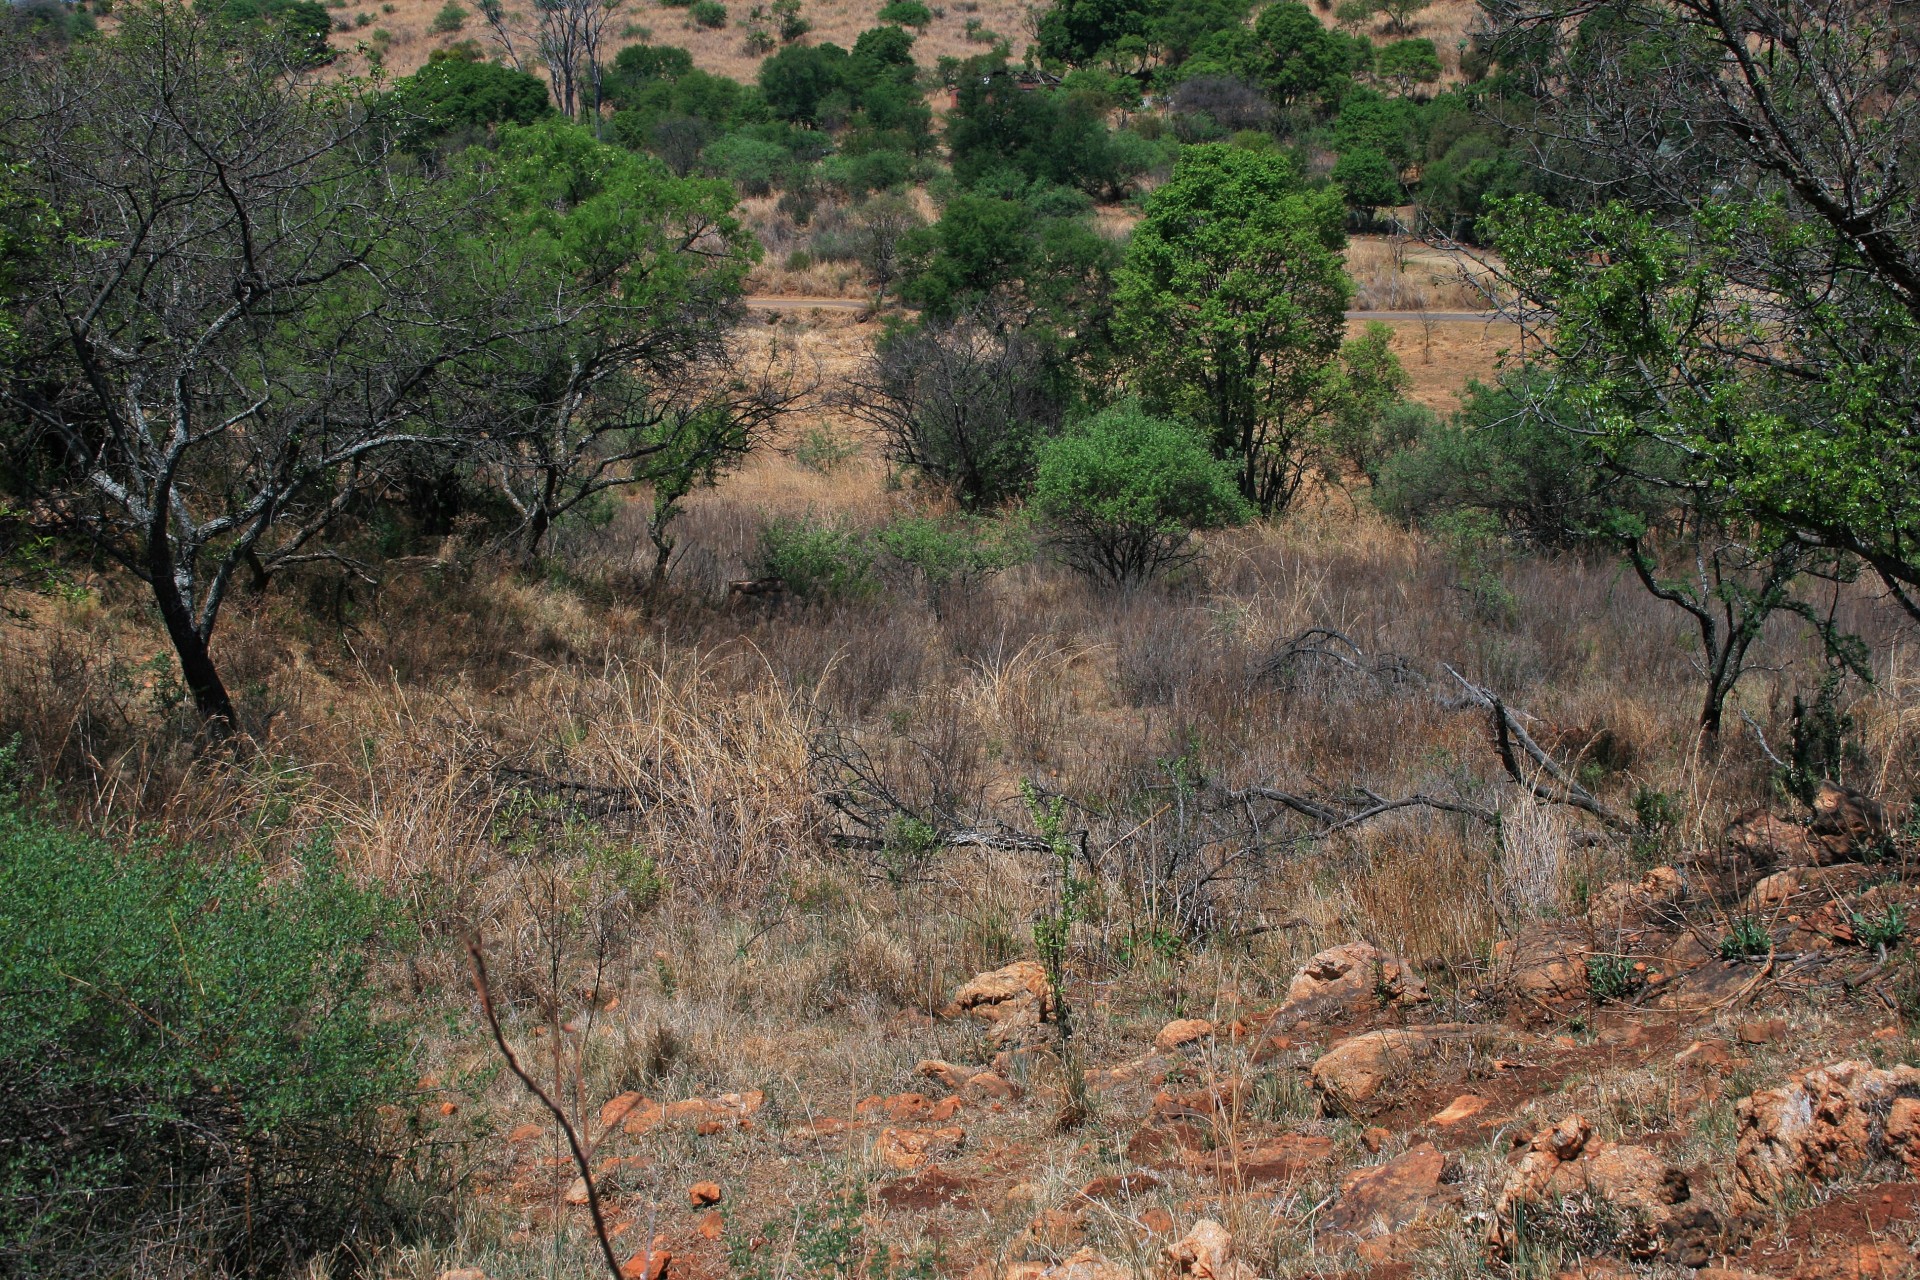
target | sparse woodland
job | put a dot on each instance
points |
(1104, 641)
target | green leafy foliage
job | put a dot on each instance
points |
(1746, 938)
(460, 97)
(907, 13)
(708, 13)
(1230, 307)
(1883, 930)
(190, 1057)
(816, 560)
(1612, 977)
(1122, 492)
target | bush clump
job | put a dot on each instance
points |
(189, 1058)
(1123, 492)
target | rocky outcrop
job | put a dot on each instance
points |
(1389, 1198)
(1623, 1199)
(1206, 1253)
(1009, 1000)
(1351, 1076)
(1356, 971)
(1823, 1124)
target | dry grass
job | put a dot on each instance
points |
(532, 759)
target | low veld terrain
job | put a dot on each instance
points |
(1236, 927)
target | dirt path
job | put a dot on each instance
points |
(769, 302)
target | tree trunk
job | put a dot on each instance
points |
(210, 696)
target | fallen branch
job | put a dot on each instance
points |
(1371, 806)
(1508, 733)
(485, 991)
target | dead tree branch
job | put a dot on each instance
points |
(485, 991)
(1509, 733)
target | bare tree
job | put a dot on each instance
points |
(567, 37)
(959, 400)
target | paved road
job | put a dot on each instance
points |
(772, 303)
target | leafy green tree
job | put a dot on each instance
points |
(961, 401)
(1301, 61)
(1369, 179)
(1123, 492)
(1230, 309)
(640, 388)
(637, 66)
(906, 13)
(1406, 63)
(996, 126)
(796, 80)
(459, 96)
(305, 22)
(1748, 294)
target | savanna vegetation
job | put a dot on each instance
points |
(613, 667)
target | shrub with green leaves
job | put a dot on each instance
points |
(1123, 491)
(817, 561)
(952, 552)
(190, 1058)
(907, 13)
(1746, 938)
(451, 18)
(708, 13)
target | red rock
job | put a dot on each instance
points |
(1206, 1253)
(1119, 1186)
(1182, 1031)
(1703, 1055)
(1390, 1197)
(1461, 1109)
(616, 1110)
(903, 1148)
(701, 1194)
(1762, 1030)
(1819, 1126)
(1009, 1000)
(1351, 1076)
(648, 1264)
(1156, 1221)
(1357, 971)
(525, 1133)
(711, 1225)
(1374, 1138)
(989, 1086)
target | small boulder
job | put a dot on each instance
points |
(1823, 1124)
(903, 1148)
(1356, 970)
(1009, 1000)
(1766, 841)
(1459, 1111)
(1206, 1253)
(1350, 1076)
(1846, 823)
(702, 1194)
(1182, 1031)
(1627, 902)
(1390, 1197)
(1626, 1197)
(648, 1264)
(1083, 1264)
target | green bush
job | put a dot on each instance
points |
(1123, 492)
(451, 18)
(957, 551)
(708, 13)
(907, 13)
(1745, 939)
(752, 165)
(817, 561)
(189, 1058)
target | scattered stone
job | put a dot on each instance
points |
(1877, 1260)
(902, 1148)
(1390, 1197)
(1544, 968)
(1626, 1195)
(1845, 822)
(577, 1192)
(946, 1074)
(1375, 1138)
(1282, 1159)
(1206, 1253)
(1823, 1124)
(648, 1264)
(1182, 1031)
(462, 1273)
(930, 1188)
(1708, 987)
(711, 1225)
(1350, 1076)
(701, 1194)
(1119, 1186)
(616, 1110)
(1761, 1030)
(1155, 1221)
(989, 1086)
(1463, 1108)
(1704, 1055)
(525, 1133)
(1009, 1000)
(1223, 1099)
(1632, 901)
(1354, 970)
